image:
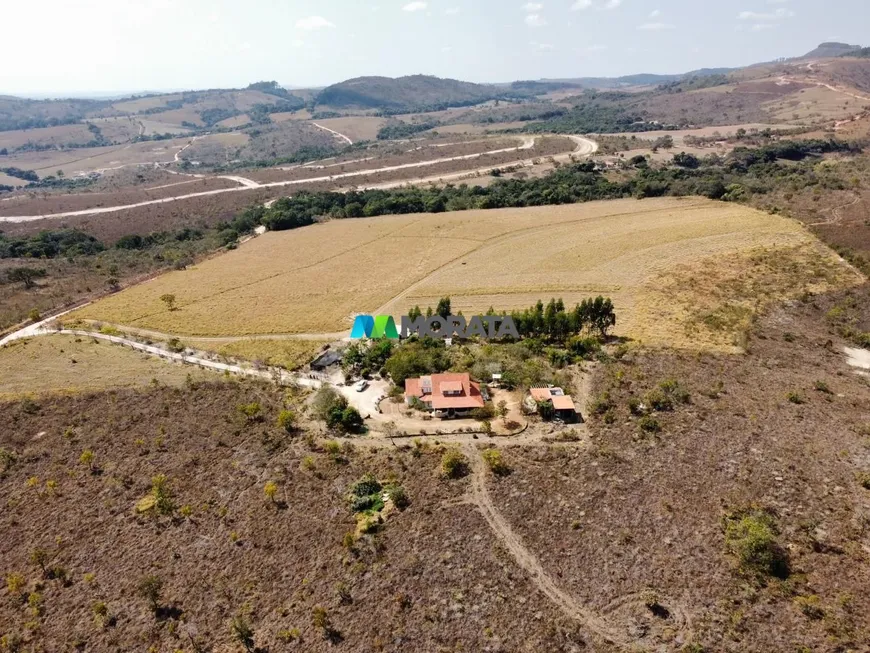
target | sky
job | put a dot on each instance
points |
(68, 47)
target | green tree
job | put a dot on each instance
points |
(502, 408)
(443, 307)
(243, 633)
(151, 588)
(169, 300)
(25, 275)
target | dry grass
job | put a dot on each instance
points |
(94, 158)
(289, 354)
(314, 280)
(717, 299)
(356, 128)
(59, 364)
(814, 104)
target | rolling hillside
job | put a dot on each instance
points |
(404, 93)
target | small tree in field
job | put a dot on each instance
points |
(169, 300)
(242, 632)
(502, 409)
(270, 490)
(150, 589)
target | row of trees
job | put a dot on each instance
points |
(554, 323)
(50, 244)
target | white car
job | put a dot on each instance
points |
(359, 386)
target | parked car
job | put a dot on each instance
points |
(361, 385)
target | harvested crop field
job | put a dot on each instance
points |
(68, 364)
(315, 279)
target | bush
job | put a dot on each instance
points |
(454, 464)
(397, 494)
(496, 463)
(287, 420)
(811, 606)
(649, 424)
(367, 485)
(325, 401)
(752, 537)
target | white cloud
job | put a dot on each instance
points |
(580, 5)
(446, 48)
(655, 27)
(312, 23)
(596, 48)
(533, 7)
(535, 20)
(655, 13)
(414, 6)
(612, 4)
(760, 27)
(776, 2)
(772, 15)
(542, 47)
(452, 11)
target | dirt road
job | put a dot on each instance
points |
(585, 147)
(338, 135)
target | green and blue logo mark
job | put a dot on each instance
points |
(379, 326)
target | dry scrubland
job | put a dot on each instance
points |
(313, 280)
(356, 128)
(628, 527)
(68, 364)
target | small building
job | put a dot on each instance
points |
(447, 395)
(326, 359)
(563, 405)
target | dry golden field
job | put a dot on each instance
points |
(289, 354)
(314, 280)
(65, 364)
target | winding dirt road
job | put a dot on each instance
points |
(585, 147)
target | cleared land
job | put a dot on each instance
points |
(358, 128)
(313, 280)
(68, 364)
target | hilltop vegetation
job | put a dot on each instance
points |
(405, 94)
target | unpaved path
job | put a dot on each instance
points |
(338, 135)
(835, 212)
(585, 147)
(589, 619)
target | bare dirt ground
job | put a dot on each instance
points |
(640, 510)
(25, 204)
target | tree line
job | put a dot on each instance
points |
(50, 244)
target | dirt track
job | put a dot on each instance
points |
(585, 147)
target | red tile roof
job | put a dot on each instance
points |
(563, 402)
(441, 383)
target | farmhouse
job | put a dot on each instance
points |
(448, 395)
(563, 405)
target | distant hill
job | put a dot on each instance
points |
(405, 93)
(640, 79)
(831, 49)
